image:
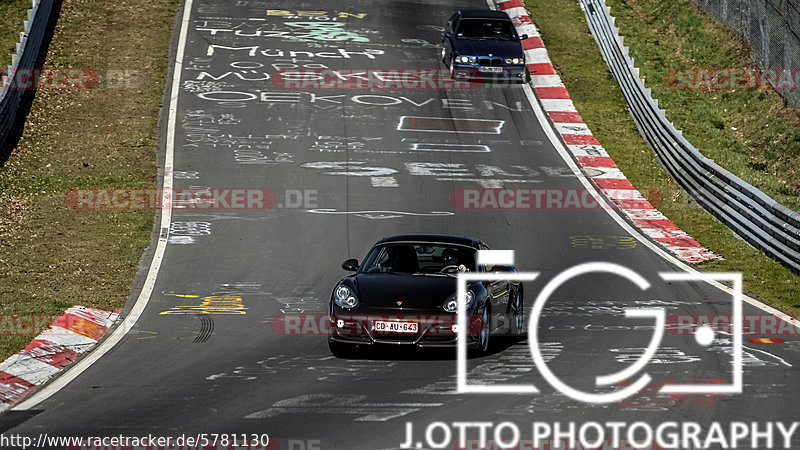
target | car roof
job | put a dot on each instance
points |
(483, 14)
(425, 237)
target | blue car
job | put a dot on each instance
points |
(483, 44)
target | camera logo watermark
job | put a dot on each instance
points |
(704, 334)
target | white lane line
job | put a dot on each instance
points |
(152, 274)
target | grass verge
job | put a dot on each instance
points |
(52, 257)
(730, 127)
(12, 15)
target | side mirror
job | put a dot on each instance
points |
(448, 34)
(505, 269)
(350, 264)
(523, 37)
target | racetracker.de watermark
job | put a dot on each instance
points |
(189, 198)
(539, 199)
(73, 79)
(205, 441)
(752, 324)
(380, 79)
(28, 324)
(729, 79)
(363, 325)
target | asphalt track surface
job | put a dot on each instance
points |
(369, 176)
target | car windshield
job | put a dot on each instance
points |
(485, 29)
(419, 259)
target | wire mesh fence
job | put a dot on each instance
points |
(771, 29)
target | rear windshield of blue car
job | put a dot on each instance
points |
(487, 29)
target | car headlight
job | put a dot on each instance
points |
(451, 305)
(465, 59)
(514, 60)
(345, 297)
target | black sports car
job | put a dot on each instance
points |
(483, 44)
(405, 293)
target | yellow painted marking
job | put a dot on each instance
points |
(83, 327)
(284, 12)
(213, 304)
(153, 333)
(766, 340)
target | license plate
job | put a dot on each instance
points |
(491, 69)
(395, 327)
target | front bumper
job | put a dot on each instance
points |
(434, 331)
(509, 72)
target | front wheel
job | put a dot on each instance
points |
(483, 335)
(527, 77)
(518, 312)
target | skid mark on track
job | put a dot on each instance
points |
(206, 329)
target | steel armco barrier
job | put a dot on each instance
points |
(751, 214)
(25, 58)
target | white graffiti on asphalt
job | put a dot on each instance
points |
(381, 214)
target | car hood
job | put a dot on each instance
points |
(378, 291)
(504, 49)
